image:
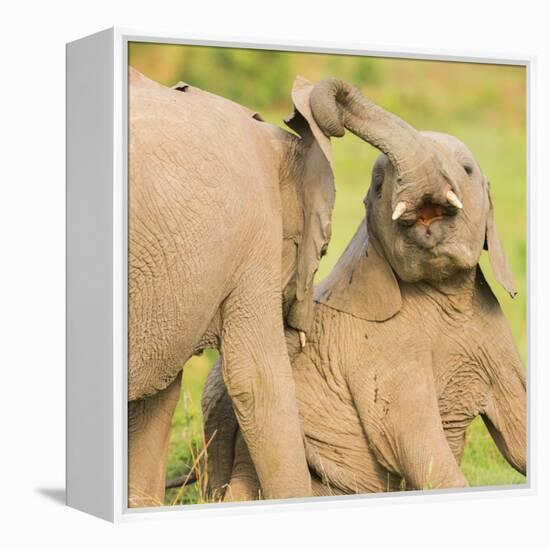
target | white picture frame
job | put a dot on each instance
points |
(96, 479)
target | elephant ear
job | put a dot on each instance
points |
(497, 257)
(362, 283)
(317, 194)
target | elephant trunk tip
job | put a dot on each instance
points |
(326, 106)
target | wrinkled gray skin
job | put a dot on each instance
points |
(228, 218)
(408, 344)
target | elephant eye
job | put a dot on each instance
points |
(468, 169)
(377, 181)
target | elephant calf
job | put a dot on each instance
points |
(408, 343)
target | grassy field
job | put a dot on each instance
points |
(480, 104)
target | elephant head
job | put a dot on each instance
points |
(429, 210)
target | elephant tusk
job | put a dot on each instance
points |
(399, 209)
(302, 339)
(453, 199)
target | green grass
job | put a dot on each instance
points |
(482, 462)
(483, 105)
(186, 438)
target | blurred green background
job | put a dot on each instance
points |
(483, 105)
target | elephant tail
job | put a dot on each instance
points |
(188, 478)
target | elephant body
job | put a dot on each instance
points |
(376, 415)
(227, 219)
(192, 202)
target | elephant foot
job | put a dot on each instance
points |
(242, 490)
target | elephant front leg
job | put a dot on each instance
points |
(258, 377)
(399, 410)
(149, 422)
(505, 412)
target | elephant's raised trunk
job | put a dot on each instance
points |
(337, 105)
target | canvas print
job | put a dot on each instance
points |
(326, 275)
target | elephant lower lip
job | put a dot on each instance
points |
(427, 236)
(428, 244)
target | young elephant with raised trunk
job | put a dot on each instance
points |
(408, 344)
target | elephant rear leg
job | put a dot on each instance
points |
(149, 422)
(220, 432)
(244, 483)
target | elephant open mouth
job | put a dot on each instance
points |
(429, 224)
(429, 212)
(426, 213)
